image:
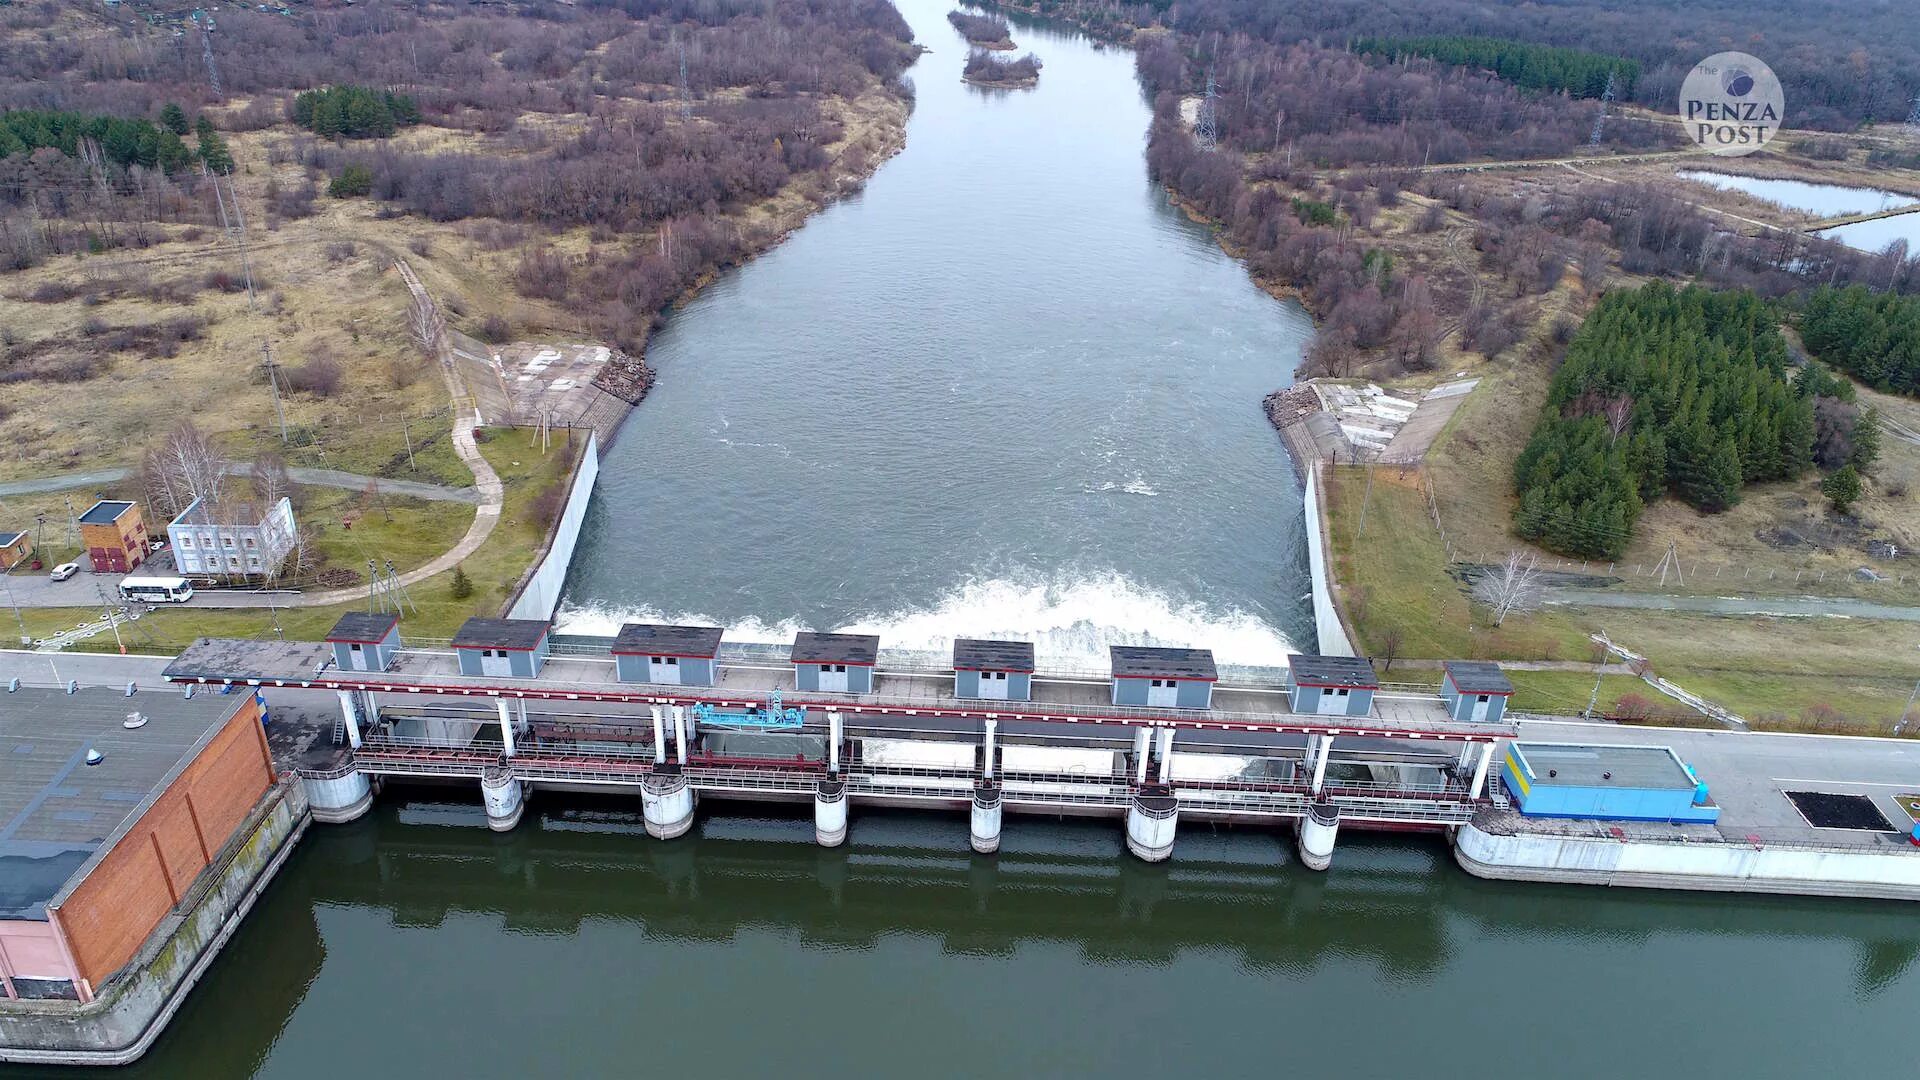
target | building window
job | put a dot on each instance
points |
(206, 539)
(1342, 692)
(669, 661)
(1483, 699)
(249, 542)
(233, 562)
(186, 541)
(354, 647)
(226, 542)
(253, 561)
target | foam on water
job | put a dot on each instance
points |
(1069, 622)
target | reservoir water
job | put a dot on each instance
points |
(415, 942)
(1828, 201)
(1008, 390)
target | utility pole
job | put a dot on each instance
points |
(1900, 725)
(1600, 122)
(686, 93)
(404, 430)
(25, 638)
(1913, 118)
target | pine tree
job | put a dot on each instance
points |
(1866, 441)
(213, 148)
(462, 586)
(1842, 488)
(174, 119)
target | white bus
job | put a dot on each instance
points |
(156, 590)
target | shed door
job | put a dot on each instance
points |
(833, 678)
(357, 658)
(1164, 692)
(993, 684)
(495, 662)
(1334, 702)
(664, 669)
(1481, 704)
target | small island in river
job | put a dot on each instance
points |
(985, 69)
(982, 31)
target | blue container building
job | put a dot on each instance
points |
(516, 648)
(670, 655)
(1607, 783)
(1475, 691)
(997, 670)
(1163, 678)
(1331, 685)
(835, 663)
(363, 641)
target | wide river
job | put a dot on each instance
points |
(1005, 390)
(1008, 390)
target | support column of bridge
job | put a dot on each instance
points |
(344, 797)
(666, 802)
(506, 726)
(1142, 744)
(1319, 749)
(502, 794)
(1152, 818)
(349, 708)
(986, 816)
(1480, 771)
(1317, 832)
(1165, 754)
(830, 812)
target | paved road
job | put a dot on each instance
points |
(1734, 605)
(99, 478)
(1748, 771)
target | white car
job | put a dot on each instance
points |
(65, 570)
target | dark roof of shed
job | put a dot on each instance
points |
(978, 654)
(812, 648)
(479, 633)
(363, 626)
(1140, 661)
(660, 639)
(1478, 677)
(105, 512)
(56, 812)
(1352, 672)
(7, 538)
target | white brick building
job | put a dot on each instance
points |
(230, 540)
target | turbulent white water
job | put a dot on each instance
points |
(1070, 623)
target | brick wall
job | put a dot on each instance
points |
(110, 914)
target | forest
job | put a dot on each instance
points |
(122, 141)
(1873, 336)
(1842, 62)
(986, 31)
(1573, 72)
(1663, 390)
(761, 78)
(986, 68)
(353, 112)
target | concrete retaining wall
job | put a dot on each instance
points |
(540, 594)
(1326, 617)
(1713, 867)
(132, 1009)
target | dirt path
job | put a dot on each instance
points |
(485, 481)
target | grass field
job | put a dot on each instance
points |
(494, 570)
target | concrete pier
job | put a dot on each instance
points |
(1151, 820)
(503, 797)
(337, 798)
(1317, 832)
(986, 817)
(667, 803)
(830, 813)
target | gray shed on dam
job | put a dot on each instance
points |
(673, 655)
(1180, 678)
(364, 641)
(1001, 670)
(1331, 685)
(835, 663)
(512, 647)
(1475, 690)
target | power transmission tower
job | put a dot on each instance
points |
(686, 93)
(1206, 125)
(273, 383)
(1600, 122)
(206, 53)
(1913, 118)
(1671, 561)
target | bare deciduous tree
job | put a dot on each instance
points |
(1512, 586)
(185, 466)
(427, 326)
(1389, 646)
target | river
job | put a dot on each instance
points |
(908, 417)
(1007, 391)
